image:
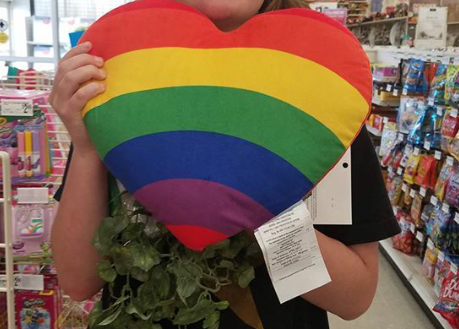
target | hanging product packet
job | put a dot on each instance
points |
(436, 213)
(430, 260)
(405, 240)
(448, 303)
(452, 188)
(411, 168)
(389, 135)
(452, 73)
(420, 128)
(395, 190)
(449, 127)
(407, 199)
(407, 151)
(413, 79)
(440, 229)
(440, 186)
(420, 244)
(436, 119)
(441, 269)
(454, 98)
(453, 147)
(452, 238)
(391, 152)
(416, 209)
(408, 113)
(426, 214)
(437, 91)
(397, 158)
(426, 172)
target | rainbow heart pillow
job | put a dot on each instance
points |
(218, 132)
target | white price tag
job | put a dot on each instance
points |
(422, 191)
(441, 256)
(420, 237)
(400, 137)
(454, 268)
(291, 252)
(412, 228)
(25, 282)
(404, 187)
(431, 102)
(437, 155)
(416, 151)
(399, 171)
(412, 193)
(390, 169)
(405, 92)
(434, 200)
(427, 145)
(385, 120)
(439, 111)
(430, 244)
(456, 217)
(395, 93)
(16, 107)
(454, 113)
(445, 208)
(450, 160)
(389, 87)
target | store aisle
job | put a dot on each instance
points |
(393, 307)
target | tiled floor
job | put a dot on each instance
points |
(393, 307)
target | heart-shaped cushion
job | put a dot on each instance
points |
(218, 132)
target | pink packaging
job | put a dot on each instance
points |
(36, 310)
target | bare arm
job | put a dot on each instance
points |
(354, 273)
(84, 200)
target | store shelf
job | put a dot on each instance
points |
(453, 23)
(374, 131)
(382, 21)
(409, 269)
(379, 102)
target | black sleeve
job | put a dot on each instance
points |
(372, 214)
(58, 194)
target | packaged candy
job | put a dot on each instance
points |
(426, 171)
(407, 151)
(436, 120)
(430, 260)
(411, 168)
(405, 240)
(395, 190)
(413, 79)
(391, 152)
(453, 147)
(452, 188)
(440, 229)
(420, 243)
(426, 215)
(437, 91)
(441, 269)
(389, 135)
(448, 303)
(409, 112)
(416, 208)
(454, 100)
(397, 158)
(449, 128)
(404, 69)
(421, 128)
(452, 238)
(452, 73)
(445, 172)
(407, 199)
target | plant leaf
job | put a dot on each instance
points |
(211, 320)
(226, 264)
(161, 282)
(187, 316)
(221, 306)
(95, 314)
(132, 308)
(144, 256)
(106, 271)
(140, 275)
(245, 277)
(110, 319)
(186, 286)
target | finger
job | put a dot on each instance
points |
(73, 80)
(84, 95)
(76, 62)
(82, 48)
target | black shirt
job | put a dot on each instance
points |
(373, 220)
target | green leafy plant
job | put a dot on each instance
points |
(161, 279)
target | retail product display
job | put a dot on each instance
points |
(205, 134)
(424, 185)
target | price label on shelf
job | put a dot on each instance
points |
(412, 193)
(453, 113)
(405, 92)
(431, 102)
(430, 244)
(404, 187)
(456, 217)
(389, 87)
(450, 160)
(395, 93)
(399, 171)
(445, 208)
(16, 107)
(422, 192)
(433, 200)
(412, 228)
(437, 155)
(454, 268)
(416, 151)
(420, 237)
(441, 256)
(427, 145)
(439, 111)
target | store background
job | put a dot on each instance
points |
(32, 30)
